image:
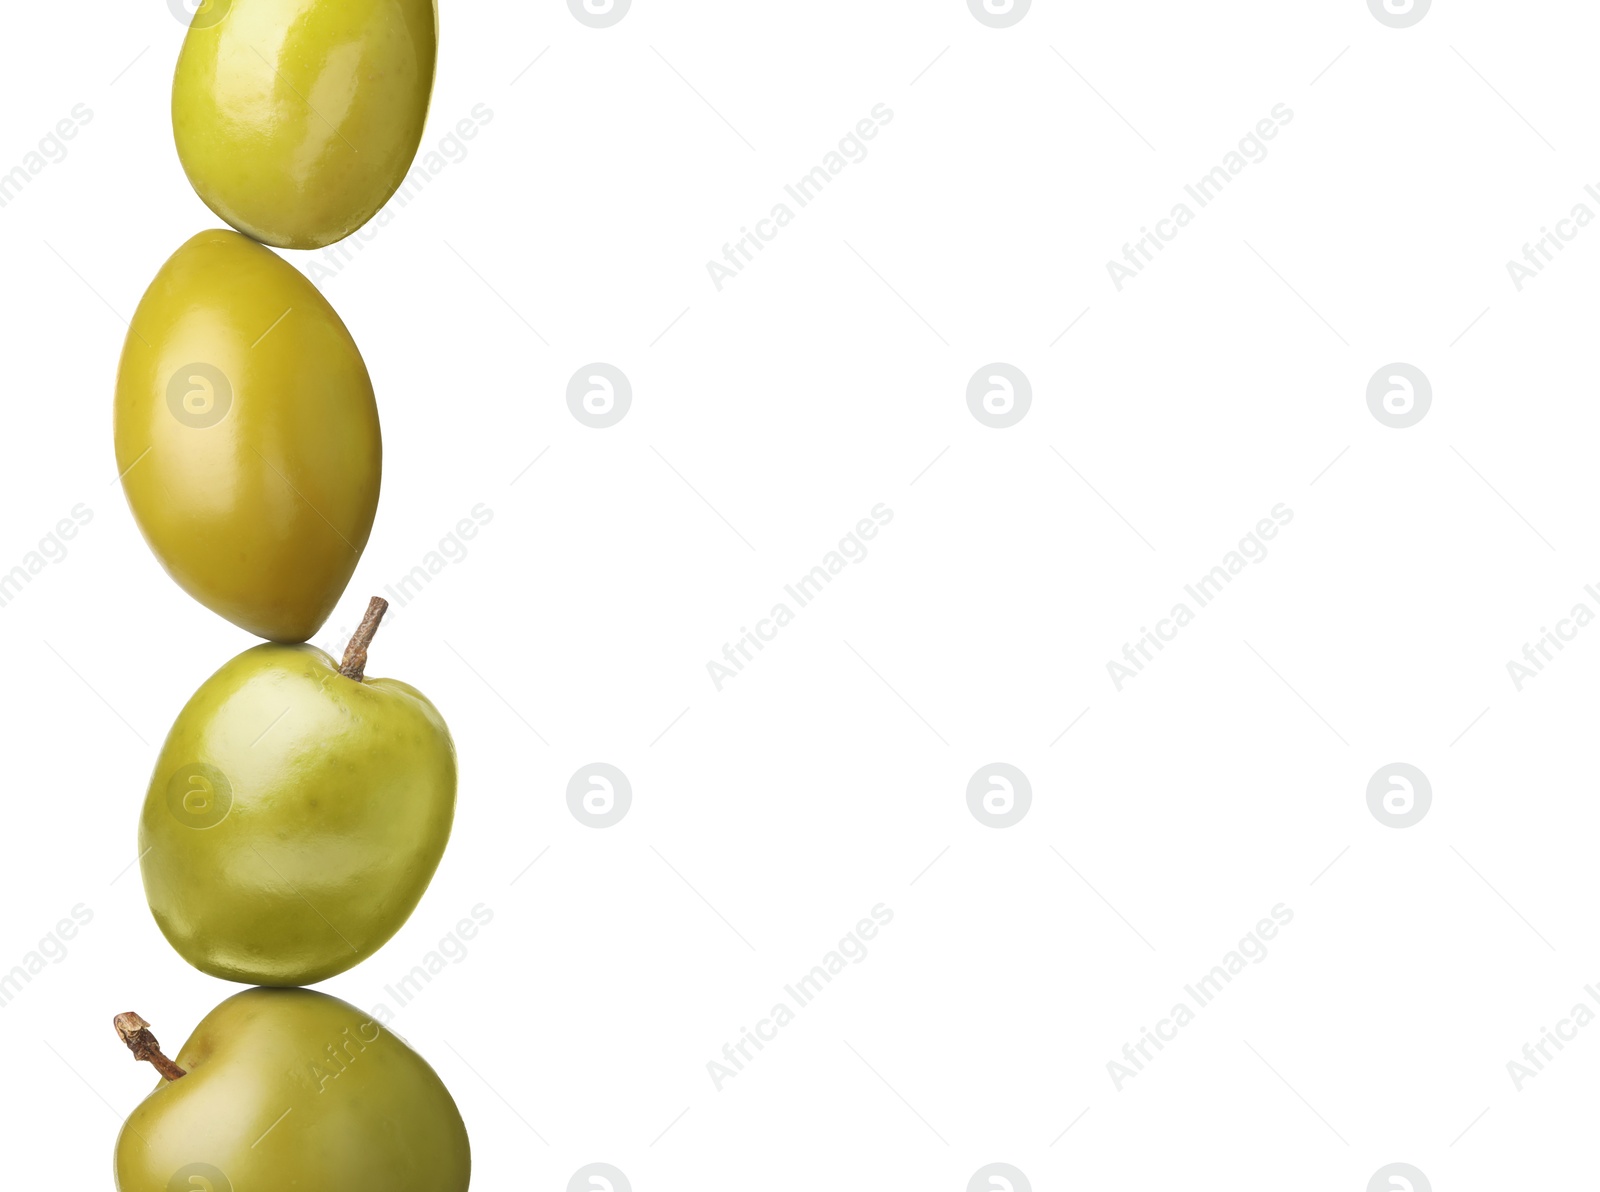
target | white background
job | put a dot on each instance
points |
(769, 816)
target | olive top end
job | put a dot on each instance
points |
(135, 1032)
(354, 665)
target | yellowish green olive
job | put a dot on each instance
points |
(281, 1089)
(297, 119)
(247, 436)
(296, 814)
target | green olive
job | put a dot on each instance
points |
(297, 812)
(247, 436)
(297, 119)
(281, 1089)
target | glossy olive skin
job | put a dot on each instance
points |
(293, 1089)
(247, 436)
(297, 119)
(295, 817)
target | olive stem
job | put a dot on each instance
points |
(135, 1032)
(355, 654)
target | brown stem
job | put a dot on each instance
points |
(355, 654)
(135, 1032)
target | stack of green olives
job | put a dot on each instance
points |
(298, 808)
